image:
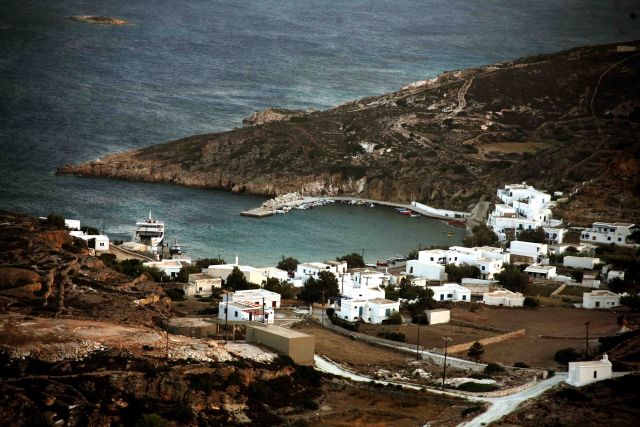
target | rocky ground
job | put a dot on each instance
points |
(566, 121)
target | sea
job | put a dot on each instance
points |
(72, 92)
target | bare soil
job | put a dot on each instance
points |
(431, 336)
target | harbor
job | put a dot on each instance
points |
(287, 202)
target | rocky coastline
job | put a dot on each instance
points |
(446, 142)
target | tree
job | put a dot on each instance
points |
(326, 284)
(286, 290)
(457, 273)
(236, 281)
(413, 254)
(206, 262)
(566, 355)
(617, 285)
(481, 235)
(183, 274)
(56, 219)
(513, 279)
(354, 260)
(288, 264)
(476, 351)
(534, 236)
(530, 302)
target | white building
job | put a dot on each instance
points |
(255, 297)
(607, 232)
(313, 269)
(554, 235)
(450, 292)
(590, 281)
(426, 270)
(583, 373)
(242, 311)
(478, 286)
(99, 242)
(274, 272)
(580, 262)
(170, 267)
(615, 274)
(438, 315)
(600, 299)
(362, 284)
(505, 298)
(72, 224)
(370, 311)
(252, 274)
(524, 208)
(201, 284)
(488, 259)
(534, 251)
(538, 271)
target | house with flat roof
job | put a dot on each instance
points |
(370, 311)
(438, 315)
(201, 284)
(580, 262)
(591, 371)
(488, 259)
(537, 271)
(600, 299)
(255, 296)
(170, 267)
(244, 311)
(608, 232)
(504, 298)
(450, 292)
(529, 250)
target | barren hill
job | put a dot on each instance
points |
(559, 121)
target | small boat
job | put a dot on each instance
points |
(382, 263)
(405, 212)
(370, 205)
(449, 234)
(414, 215)
(175, 249)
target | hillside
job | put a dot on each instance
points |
(555, 120)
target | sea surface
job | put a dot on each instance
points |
(71, 92)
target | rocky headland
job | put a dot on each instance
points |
(566, 121)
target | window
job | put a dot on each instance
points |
(619, 239)
(595, 374)
(449, 296)
(464, 297)
(483, 268)
(411, 270)
(236, 315)
(609, 238)
(431, 258)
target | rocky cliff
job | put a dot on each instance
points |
(562, 121)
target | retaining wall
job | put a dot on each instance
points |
(444, 213)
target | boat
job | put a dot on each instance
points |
(150, 232)
(175, 249)
(405, 212)
(414, 215)
(382, 263)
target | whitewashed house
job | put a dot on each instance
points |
(537, 271)
(72, 224)
(524, 208)
(488, 259)
(370, 311)
(255, 296)
(600, 299)
(252, 274)
(170, 267)
(533, 251)
(98, 242)
(615, 274)
(554, 235)
(438, 315)
(426, 270)
(313, 269)
(275, 273)
(243, 311)
(590, 281)
(584, 262)
(201, 284)
(608, 232)
(478, 286)
(504, 298)
(583, 373)
(450, 292)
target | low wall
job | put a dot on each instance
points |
(478, 326)
(560, 289)
(486, 341)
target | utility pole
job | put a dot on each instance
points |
(263, 318)
(418, 342)
(586, 341)
(444, 368)
(322, 310)
(167, 345)
(226, 319)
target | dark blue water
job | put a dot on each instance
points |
(71, 92)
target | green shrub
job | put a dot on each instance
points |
(473, 387)
(151, 420)
(520, 365)
(566, 355)
(394, 336)
(471, 410)
(394, 319)
(175, 294)
(55, 219)
(310, 404)
(530, 302)
(493, 368)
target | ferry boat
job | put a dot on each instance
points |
(150, 232)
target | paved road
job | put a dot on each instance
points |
(499, 406)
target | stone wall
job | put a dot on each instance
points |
(485, 341)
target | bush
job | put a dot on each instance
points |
(566, 355)
(151, 420)
(288, 264)
(530, 302)
(393, 336)
(473, 387)
(310, 404)
(520, 365)
(344, 324)
(493, 368)
(476, 350)
(394, 319)
(551, 373)
(55, 219)
(330, 312)
(471, 410)
(175, 294)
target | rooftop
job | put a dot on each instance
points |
(255, 293)
(382, 301)
(614, 224)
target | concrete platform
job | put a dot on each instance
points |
(257, 213)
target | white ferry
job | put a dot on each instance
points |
(150, 232)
